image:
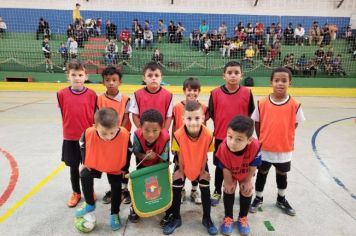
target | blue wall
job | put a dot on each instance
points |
(59, 19)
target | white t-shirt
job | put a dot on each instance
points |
(278, 157)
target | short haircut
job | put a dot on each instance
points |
(242, 124)
(106, 117)
(282, 69)
(231, 64)
(152, 66)
(192, 106)
(151, 115)
(75, 64)
(111, 70)
(192, 83)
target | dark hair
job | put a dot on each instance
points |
(152, 66)
(231, 64)
(75, 64)
(111, 70)
(192, 83)
(106, 117)
(192, 106)
(242, 124)
(282, 69)
(151, 115)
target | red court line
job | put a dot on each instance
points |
(13, 179)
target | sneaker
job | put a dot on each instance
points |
(115, 222)
(107, 198)
(215, 199)
(226, 227)
(257, 202)
(183, 197)
(169, 229)
(133, 217)
(242, 225)
(195, 197)
(166, 220)
(209, 225)
(125, 196)
(74, 199)
(284, 205)
(84, 209)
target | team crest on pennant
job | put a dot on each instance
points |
(153, 190)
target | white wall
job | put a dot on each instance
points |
(264, 7)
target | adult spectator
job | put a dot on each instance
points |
(194, 39)
(326, 34)
(157, 56)
(259, 31)
(70, 31)
(138, 36)
(147, 38)
(110, 30)
(333, 29)
(162, 30)
(222, 30)
(3, 27)
(204, 28)
(76, 13)
(278, 33)
(271, 30)
(299, 33)
(289, 34)
(250, 33)
(125, 36)
(43, 29)
(315, 34)
(172, 32)
(111, 51)
(179, 32)
(99, 23)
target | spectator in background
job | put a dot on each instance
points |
(260, 49)
(222, 30)
(315, 34)
(64, 54)
(91, 27)
(126, 50)
(161, 31)
(76, 13)
(147, 25)
(250, 33)
(289, 34)
(278, 33)
(172, 32)
(111, 52)
(319, 55)
(299, 33)
(337, 66)
(157, 56)
(3, 27)
(179, 32)
(259, 30)
(47, 54)
(147, 38)
(206, 45)
(326, 35)
(73, 48)
(79, 36)
(110, 30)
(99, 23)
(43, 28)
(204, 28)
(271, 30)
(194, 39)
(70, 31)
(249, 54)
(348, 33)
(138, 36)
(333, 29)
(125, 36)
(226, 48)
(330, 52)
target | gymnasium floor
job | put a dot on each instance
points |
(34, 186)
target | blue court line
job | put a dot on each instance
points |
(313, 142)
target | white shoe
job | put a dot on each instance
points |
(195, 197)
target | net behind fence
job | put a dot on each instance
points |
(185, 44)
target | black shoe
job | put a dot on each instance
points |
(166, 220)
(169, 229)
(210, 227)
(133, 217)
(284, 205)
(257, 202)
(125, 196)
(107, 197)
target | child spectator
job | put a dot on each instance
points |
(238, 158)
(152, 96)
(299, 33)
(194, 39)
(43, 28)
(46, 49)
(268, 59)
(3, 27)
(226, 48)
(277, 116)
(161, 31)
(112, 79)
(289, 34)
(171, 32)
(111, 53)
(229, 95)
(191, 89)
(260, 49)
(179, 32)
(249, 54)
(319, 55)
(110, 30)
(337, 66)
(206, 45)
(150, 145)
(64, 55)
(76, 13)
(104, 149)
(157, 56)
(126, 51)
(328, 65)
(99, 23)
(138, 36)
(222, 30)
(73, 48)
(259, 31)
(192, 142)
(125, 36)
(147, 38)
(76, 118)
(70, 31)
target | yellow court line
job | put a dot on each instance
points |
(15, 206)
(205, 90)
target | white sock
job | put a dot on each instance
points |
(124, 186)
(259, 194)
(194, 188)
(281, 192)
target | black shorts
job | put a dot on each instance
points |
(47, 55)
(282, 167)
(97, 174)
(71, 153)
(216, 146)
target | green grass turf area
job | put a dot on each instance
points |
(21, 55)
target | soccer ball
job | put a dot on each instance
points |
(86, 223)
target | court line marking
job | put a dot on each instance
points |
(315, 150)
(34, 190)
(22, 105)
(13, 178)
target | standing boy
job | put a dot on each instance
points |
(112, 79)
(238, 157)
(277, 116)
(104, 149)
(77, 104)
(153, 96)
(226, 102)
(192, 142)
(46, 49)
(150, 145)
